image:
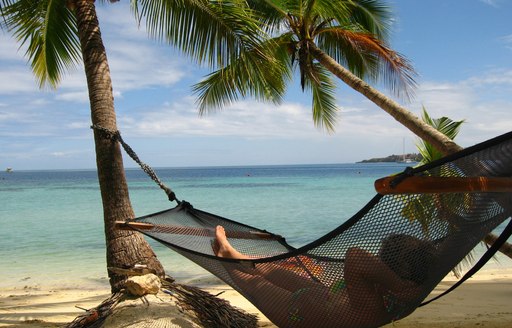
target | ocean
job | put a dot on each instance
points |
(52, 226)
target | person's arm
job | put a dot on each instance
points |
(365, 271)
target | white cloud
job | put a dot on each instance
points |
(64, 154)
(8, 50)
(483, 101)
(494, 77)
(10, 116)
(16, 80)
(248, 119)
(141, 66)
(118, 19)
(506, 38)
(77, 96)
(444, 99)
(7, 116)
(78, 125)
(493, 3)
(135, 62)
(368, 122)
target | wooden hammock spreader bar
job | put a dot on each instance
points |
(192, 231)
(428, 185)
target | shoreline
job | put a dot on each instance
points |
(481, 301)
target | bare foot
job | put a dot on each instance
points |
(223, 248)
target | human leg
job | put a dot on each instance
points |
(361, 275)
(275, 272)
(223, 248)
(279, 275)
(304, 307)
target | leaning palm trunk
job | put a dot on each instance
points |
(426, 132)
(123, 248)
(399, 113)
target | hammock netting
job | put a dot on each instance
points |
(338, 280)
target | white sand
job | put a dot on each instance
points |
(483, 301)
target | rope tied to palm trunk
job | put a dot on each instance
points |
(116, 136)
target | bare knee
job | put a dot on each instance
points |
(356, 258)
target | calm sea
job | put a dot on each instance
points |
(52, 227)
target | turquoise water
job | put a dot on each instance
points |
(52, 227)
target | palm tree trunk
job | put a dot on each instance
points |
(124, 248)
(399, 113)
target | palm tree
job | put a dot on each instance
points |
(60, 33)
(317, 37)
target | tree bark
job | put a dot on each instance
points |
(123, 248)
(426, 132)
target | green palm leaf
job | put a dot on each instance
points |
(247, 75)
(48, 29)
(352, 32)
(422, 209)
(373, 16)
(445, 125)
(323, 90)
(211, 32)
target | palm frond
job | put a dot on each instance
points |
(271, 14)
(328, 9)
(4, 4)
(210, 32)
(248, 75)
(49, 30)
(323, 91)
(444, 125)
(344, 51)
(369, 58)
(374, 16)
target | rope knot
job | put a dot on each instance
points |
(106, 133)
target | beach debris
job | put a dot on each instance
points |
(93, 318)
(180, 306)
(210, 310)
(143, 285)
(136, 270)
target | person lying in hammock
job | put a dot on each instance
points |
(375, 289)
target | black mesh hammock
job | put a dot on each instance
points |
(376, 267)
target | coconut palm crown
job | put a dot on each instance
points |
(353, 33)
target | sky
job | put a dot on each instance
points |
(461, 51)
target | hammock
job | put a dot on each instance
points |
(418, 227)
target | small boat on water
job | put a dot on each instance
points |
(405, 159)
(8, 170)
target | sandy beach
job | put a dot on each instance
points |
(483, 301)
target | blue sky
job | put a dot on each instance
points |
(461, 51)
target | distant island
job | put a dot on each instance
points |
(404, 158)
